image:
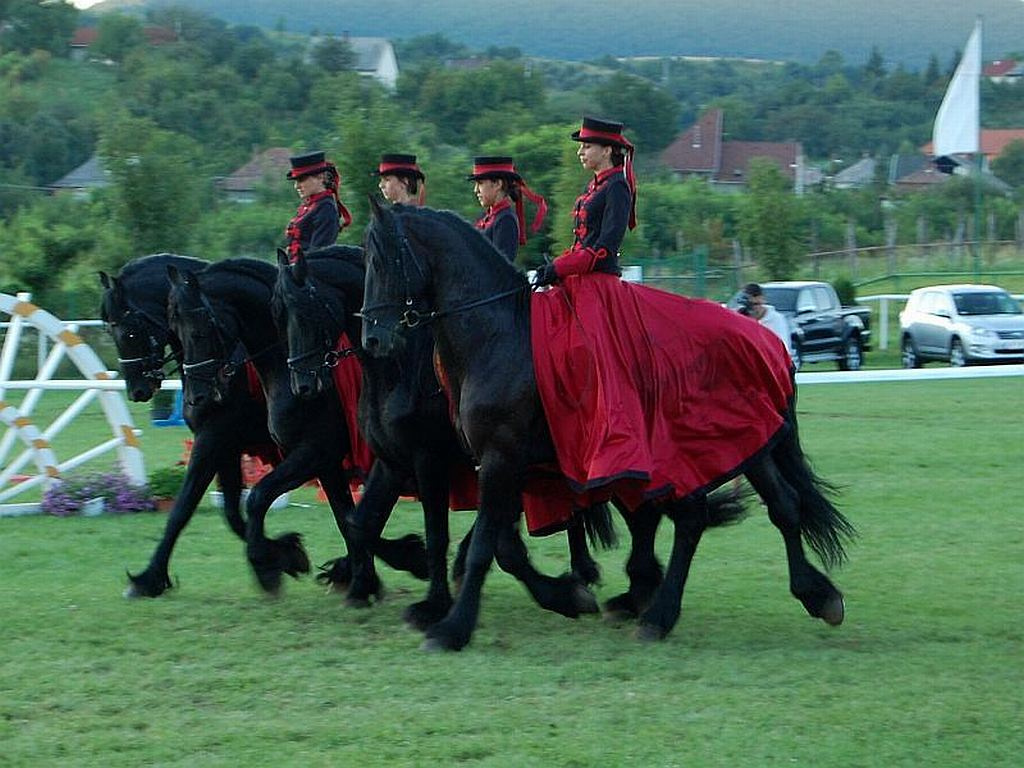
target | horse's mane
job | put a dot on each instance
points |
(224, 273)
(156, 264)
(345, 276)
(452, 230)
(144, 281)
(434, 223)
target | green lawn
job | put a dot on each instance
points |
(926, 671)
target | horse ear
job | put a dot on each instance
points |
(104, 279)
(283, 259)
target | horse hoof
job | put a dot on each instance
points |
(620, 609)
(357, 602)
(132, 592)
(834, 611)
(432, 645)
(584, 600)
(648, 633)
(423, 615)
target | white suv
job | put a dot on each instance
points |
(961, 324)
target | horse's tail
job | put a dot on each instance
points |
(597, 522)
(728, 505)
(825, 529)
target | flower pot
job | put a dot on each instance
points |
(94, 507)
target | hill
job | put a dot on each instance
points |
(906, 32)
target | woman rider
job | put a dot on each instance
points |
(401, 180)
(498, 186)
(316, 223)
(604, 210)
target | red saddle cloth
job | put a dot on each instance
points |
(348, 382)
(648, 394)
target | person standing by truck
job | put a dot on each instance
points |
(752, 305)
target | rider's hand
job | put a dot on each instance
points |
(545, 275)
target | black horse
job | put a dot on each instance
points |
(134, 308)
(211, 312)
(404, 415)
(431, 266)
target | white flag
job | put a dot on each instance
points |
(957, 121)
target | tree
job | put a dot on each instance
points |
(28, 25)
(156, 184)
(1009, 166)
(334, 55)
(116, 35)
(767, 222)
(651, 114)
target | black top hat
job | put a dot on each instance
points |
(398, 165)
(595, 131)
(498, 167)
(307, 165)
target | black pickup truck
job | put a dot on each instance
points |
(823, 330)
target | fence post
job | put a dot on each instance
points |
(700, 263)
(851, 247)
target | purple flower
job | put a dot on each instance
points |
(67, 497)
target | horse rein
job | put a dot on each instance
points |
(331, 356)
(226, 365)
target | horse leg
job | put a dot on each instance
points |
(154, 581)
(499, 507)
(810, 586)
(365, 584)
(566, 594)
(689, 519)
(229, 473)
(433, 488)
(581, 562)
(270, 558)
(459, 565)
(642, 567)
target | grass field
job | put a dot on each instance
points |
(926, 671)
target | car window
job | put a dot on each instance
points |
(821, 299)
(992, 303)
(805, 301)
(783, 299)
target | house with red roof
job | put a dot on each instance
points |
(84, 37)
(1003, 71)
(992, 140)
(267, 167)
(702, 151)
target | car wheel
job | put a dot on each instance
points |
(852, 356)
(908, 354)
(956, 354)
(796, 356)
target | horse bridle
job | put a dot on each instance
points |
(157, 358)
(412, 317)
(331, 356)
(226, 366)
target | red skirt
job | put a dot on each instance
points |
(649, 394)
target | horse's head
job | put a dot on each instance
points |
(140, 339)
(207, 368)
(311, 317)
(396, 283)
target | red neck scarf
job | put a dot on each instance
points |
(488, 218)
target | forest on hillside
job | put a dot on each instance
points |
(167, 120)
(907, 32)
